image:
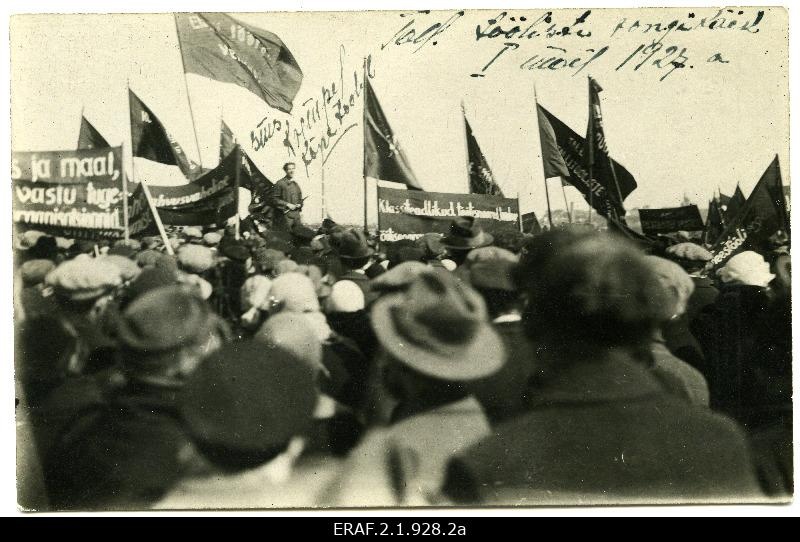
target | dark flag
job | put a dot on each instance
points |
(735, 204)
(724, 200)
(572, 148)
(220, 47)
(714, 225)
(530, 224)
(141, 221)
(89, 137)
(552, 160)
(670, 219)
(762, 215)
(383, 157)
(598, 161)
(227, 141)
(150, 140)
(481, 178)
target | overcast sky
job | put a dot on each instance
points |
(707, 125)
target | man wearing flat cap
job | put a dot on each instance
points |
(126, 453)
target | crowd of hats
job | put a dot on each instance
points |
(425, 301)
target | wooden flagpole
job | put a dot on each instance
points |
(146, 190)
(238, 151)
(546, 190)
(157, 218)
(188, 95)
(125, 211)
(366, 229)
(566, 205)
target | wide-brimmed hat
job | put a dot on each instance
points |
(351, 244)
(164, 319)
(466, 234)
(439, 327)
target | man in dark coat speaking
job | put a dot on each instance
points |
(287, 201)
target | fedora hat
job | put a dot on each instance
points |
(351, 244)
(440, 328)
(466, 234)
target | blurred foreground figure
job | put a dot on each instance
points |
(601, 428)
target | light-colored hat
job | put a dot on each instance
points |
(491, 253)
(674, 279)
(345, 296)
(84, 278)
(399, 276)
(193, 233)
(295, 292)
(128, 269)
(195, 258)
(748, 268)
(689, 251)
(212, 238)
(439, 327)
(255, 292)
(294, 333)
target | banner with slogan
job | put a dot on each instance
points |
(75, 194)
(409, 214)
(210, 199)
(141, 221)
(671, 219)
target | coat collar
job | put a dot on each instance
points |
(616, 378)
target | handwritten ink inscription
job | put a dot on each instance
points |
(662, 55)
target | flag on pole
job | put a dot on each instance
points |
(572, 148)
(553, 162)
(217, 46)
(724, 200)
(227, 141)
(150, 140)
(89, 137)
(714, 224)
(383, 157)
(599, 162)
(481, 178)
(762, 215)
(735, 204)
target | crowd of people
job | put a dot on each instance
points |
(316, 368)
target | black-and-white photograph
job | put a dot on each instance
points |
(420, 259)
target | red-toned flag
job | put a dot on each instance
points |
(383, 157)
(481, 178)
(150, 140)
(89, 137)
(220, 47)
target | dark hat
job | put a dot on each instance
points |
(439, 327)
(466, 234)
(303, 233)
(304, 255)
(490, 275)
(45, 248)
(266, 259)
(404, 251)
(149, 279)
(33, 272)
(122, 250)
(431, 244)
(329, 226)
(248, 399)
(351, 244)
(164, 319)
(235, 250)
